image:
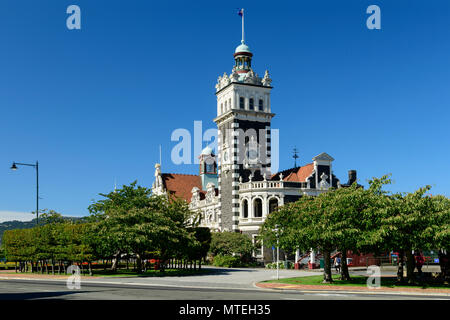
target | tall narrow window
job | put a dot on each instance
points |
(226, 105)
(245, 209)
(221, 108)
(241, 103)
(257, 208)
(273, 205)
(251, 104)
(229, 103)
(261, 105)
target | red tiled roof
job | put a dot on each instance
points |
(298, 174)
(180, 185)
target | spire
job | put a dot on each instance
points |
(242, 54)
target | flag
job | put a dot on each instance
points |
(241, 12)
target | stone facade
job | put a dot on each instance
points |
(246, 191)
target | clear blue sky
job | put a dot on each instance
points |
(93, 105)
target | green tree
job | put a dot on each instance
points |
(198, 249)
(416, 222)
(131, 220)
(338, 219)
(229, 243)
(121, 200)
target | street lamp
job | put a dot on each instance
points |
(36, 166)
(278, 253)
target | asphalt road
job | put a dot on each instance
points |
(50, 289)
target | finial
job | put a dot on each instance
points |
(295, 156)
(281, 176)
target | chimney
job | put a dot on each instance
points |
(351, 176)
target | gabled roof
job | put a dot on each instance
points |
(298, 174)
(323, 156)
(181, 185)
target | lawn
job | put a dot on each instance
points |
(359, 281)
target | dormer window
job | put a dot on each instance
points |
(251, 105)
(241, 103)
(261, 105)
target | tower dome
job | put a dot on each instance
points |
(243, 58)
(207, 151)
(242, 48)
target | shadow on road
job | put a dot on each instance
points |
(36, 295)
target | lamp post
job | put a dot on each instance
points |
(278, 253)
(36, 166)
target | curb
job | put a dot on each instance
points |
(318, 288)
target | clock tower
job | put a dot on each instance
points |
(243, 122)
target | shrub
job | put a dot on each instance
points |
(273, 265)
(227, 261)
(226, 243)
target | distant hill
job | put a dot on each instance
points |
(10, 225)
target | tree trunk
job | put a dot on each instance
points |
(444, 263)
(345, 275)
(115, 261)
(138, 264)
(400, 266)
(327, 278)
(410, 266)
(90, 268)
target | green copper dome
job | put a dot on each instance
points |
(242, 48)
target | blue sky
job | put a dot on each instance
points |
(93, 105)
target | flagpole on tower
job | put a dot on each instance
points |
(243, 35)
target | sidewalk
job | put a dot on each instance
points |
(10, 274)
(303, 287)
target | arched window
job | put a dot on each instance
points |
(245, 209)
(273, 205)
(257, 208)
(221, 108)
(251, 104)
